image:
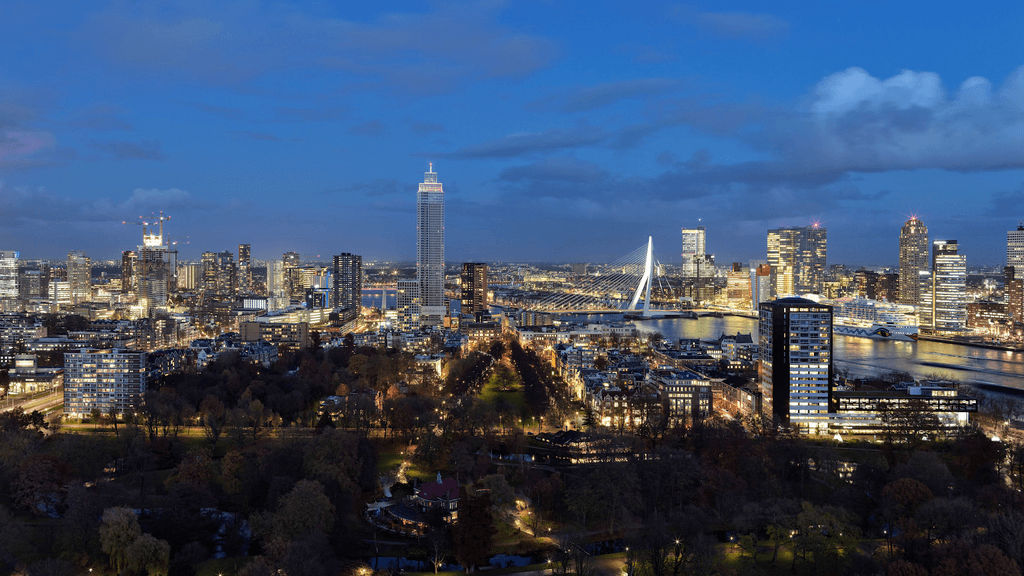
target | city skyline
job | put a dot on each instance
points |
(575, 144)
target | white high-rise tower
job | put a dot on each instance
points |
(430, 249)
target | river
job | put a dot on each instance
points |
(864, 357)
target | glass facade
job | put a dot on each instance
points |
(430, 249)
(913, 260)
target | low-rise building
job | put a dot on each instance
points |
(686, 396)
(927, 406)
(28, 378)
(293, 336)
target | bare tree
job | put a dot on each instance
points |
(438, 546)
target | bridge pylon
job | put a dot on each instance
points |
(645, 281)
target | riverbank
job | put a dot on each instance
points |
(973, 344)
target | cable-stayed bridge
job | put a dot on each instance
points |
(619, 286)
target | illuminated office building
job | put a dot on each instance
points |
(407, 304)
(1015, 250)
(128, 258)
(244, 269)
(694, 244)
(795, 367)
(219, 273)
(430, 249)
(8, 274)
(347, 282)
(474, 287)
(913, 260)
(798, 257)
(79, 276)
(948, 287)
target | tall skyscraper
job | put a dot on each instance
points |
(430, 249)
(798, 257)
(219, 273)
(8, 274)
(913, 260)
(79, 276)
(795, 367)
(189, 276)
(277, 295)
(949, 287)
(347, 282)
(693, 251)
(244, 269)
(152, 269)
(760, 283)
(128, 259)
(474, 287)
(1015, 249)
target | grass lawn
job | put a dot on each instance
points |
(222, 566)
(388, 461)
(737, 558)
(491, 392)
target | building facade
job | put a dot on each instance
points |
(1015, 248)
(694, 250)
(244, 269)
(407, 303)
(474, 287)
(219, 273)
(8, 274)
(948, 288)
(798, 258)
(128, 259)
(112, 379)
(430, 249)
(1014, 289)
(347, 282)
(795, 370)
(913, 260)
(738, 288)
(79, 276)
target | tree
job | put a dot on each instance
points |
(213, 418)
(119, 529)
(502, 496)
(39, 486)
(148, 555)
(230, 471)
(946, 518)
(900, 501)
(1008, 530)
(473, 533)
(438, 545)
(112, 417)
(194, 470)
(825, 532)
(303, 510)
(962, 559)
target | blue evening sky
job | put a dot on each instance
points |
(562, 131)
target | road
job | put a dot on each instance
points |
(42, 402)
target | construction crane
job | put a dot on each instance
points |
(153, 247)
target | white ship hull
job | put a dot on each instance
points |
(876, 331)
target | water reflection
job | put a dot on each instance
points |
(864, 357)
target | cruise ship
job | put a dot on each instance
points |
(873, 319)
